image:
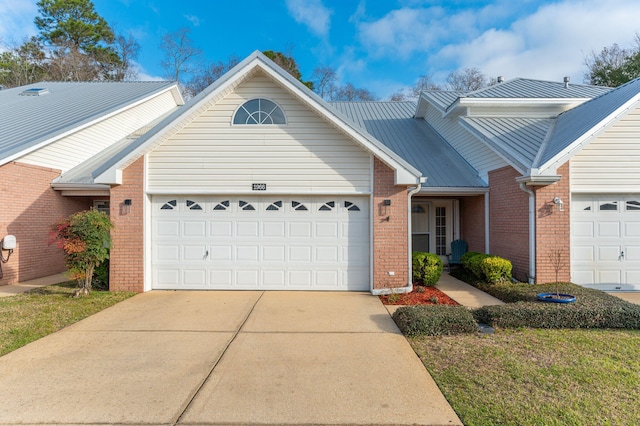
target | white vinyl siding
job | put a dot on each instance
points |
(73, 149)
(474, 151)
(211, 155)
(611, 163)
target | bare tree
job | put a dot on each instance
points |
(349, 92)
(398, 96)
(466, 80)
(24, 64)
(209, 74)
(179, 54)
(127, 49)
(422, 84)
(324, 81)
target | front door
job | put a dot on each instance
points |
(432, 226)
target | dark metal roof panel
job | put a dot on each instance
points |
(392, 123)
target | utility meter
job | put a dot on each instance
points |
(9, 242)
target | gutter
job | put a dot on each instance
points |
(532, 231)
(409, 286)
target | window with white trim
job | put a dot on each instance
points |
(259, 111)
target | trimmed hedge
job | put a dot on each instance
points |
(592, 309)
(487, 267)
(427, 268)
(434, 320)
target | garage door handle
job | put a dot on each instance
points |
(206, 254)
(622, 255)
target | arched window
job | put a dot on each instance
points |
(259, 111)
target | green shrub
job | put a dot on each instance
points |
(427, 268)
(592, 309)
(487, 267)
(434, 320)
(101, 276)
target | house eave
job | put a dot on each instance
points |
(447, 190)
(538, 180)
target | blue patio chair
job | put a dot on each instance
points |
(458, 248)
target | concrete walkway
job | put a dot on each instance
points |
(13, 289)
(220, 357)
(465, 294)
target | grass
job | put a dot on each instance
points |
(538, 377)
(30, 316)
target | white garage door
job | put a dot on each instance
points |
(260, 242)
(605, 241)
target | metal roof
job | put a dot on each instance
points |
(588, 118)
(516, 139)
(392, 123)
(26, 122)
(442, 98)
(523, 88)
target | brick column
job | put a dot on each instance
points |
(390, 237)
(127, 238)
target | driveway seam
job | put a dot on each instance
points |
(215, 364)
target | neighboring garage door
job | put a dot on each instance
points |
(260, 242)
(605, 241)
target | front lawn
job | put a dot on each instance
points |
(30, 316)
(538, 377)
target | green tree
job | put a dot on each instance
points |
(613, 65)
(85, 239)
(81, 41)
(24, 64)
(286, 62)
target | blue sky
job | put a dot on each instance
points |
(381, 45)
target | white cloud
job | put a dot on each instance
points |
(311, 13)
(193, 19)
(16, 20)
(550, 43)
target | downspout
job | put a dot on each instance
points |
(532, 232)
(487, 211)
(409, 287)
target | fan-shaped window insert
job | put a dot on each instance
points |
(327, 207)
(192, 205)
(351, 207)
(633, 206)
(275, 206)
(169, 205)
(245, 206)
(259, 111)
(223, 205)
(297, 206)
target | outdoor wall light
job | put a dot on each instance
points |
(559, 204)
(385, 209)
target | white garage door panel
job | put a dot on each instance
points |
(260, 242)
(605, 241)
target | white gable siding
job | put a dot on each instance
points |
(307, 155)
(611, 163)
(73, 149)
(475, 152)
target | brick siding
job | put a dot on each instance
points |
(390, 238)
(127, 238)
(509, 220)
(30, 207)
(553, 229)
(472, 222)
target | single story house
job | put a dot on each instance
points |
(257, 183)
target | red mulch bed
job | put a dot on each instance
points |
(421, 295)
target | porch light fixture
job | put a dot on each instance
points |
(559, 204)
(385, 209)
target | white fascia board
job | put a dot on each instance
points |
(485, 138)
(446, 190)
(405, 174)
(585, 139)
(461, 103)
(112, 176)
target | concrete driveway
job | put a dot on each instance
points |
(224, 358)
